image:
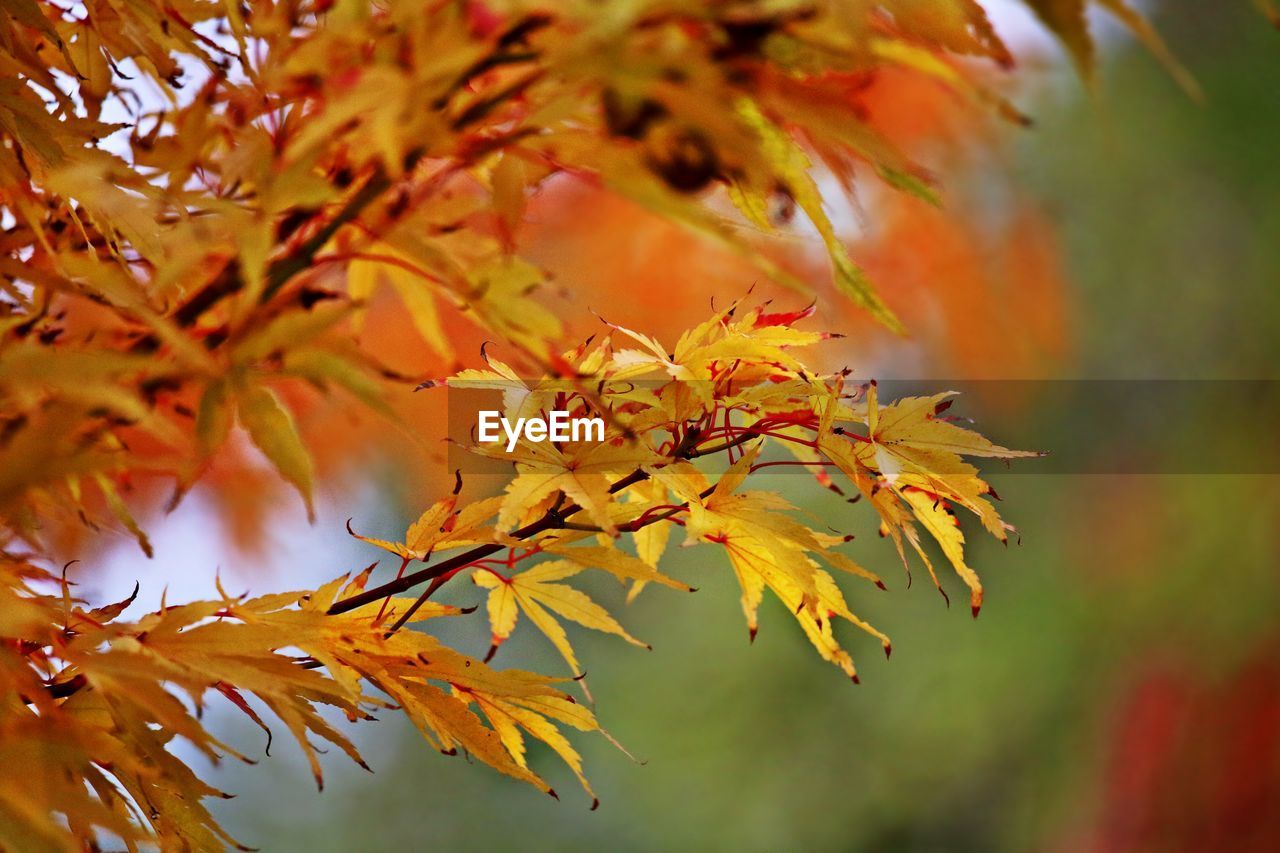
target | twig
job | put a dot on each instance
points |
(551, 520)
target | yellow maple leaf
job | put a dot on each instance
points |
(536, 593)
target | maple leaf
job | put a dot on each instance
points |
(584, 472)
(271, 427)
(909, 436)
(767, 550)
(435, 525)
(535, 593)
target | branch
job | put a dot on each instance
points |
(551, 520)
(61, 689)
(554, 519)
(280, 271)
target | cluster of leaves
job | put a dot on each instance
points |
(303, 154)
(91, 703)
(90, 741)
(731, 386)
(199, 199)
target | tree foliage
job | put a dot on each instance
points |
(201, 199)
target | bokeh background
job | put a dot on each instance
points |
(1121, 689)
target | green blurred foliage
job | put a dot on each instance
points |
(1170, 211)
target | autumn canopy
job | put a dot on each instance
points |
(220, 218)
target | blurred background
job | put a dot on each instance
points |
(1121, 689)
